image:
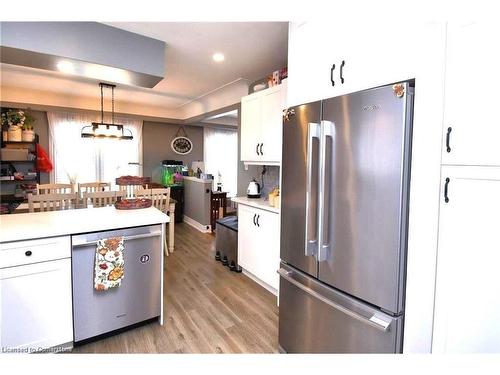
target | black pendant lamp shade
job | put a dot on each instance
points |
(95, 130)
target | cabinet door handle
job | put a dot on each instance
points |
(28, 253)
(254, 216)
(258, 217)
(331, 75)
(261, 152)
(342, 72)
(257, 149)
(447, 181)
(448, 148)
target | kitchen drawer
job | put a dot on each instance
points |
(34, 251)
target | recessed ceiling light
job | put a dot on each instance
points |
(218, 57)
(65, 66)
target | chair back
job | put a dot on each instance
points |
(130, 190)
(92, 187)
(52, 202)
(101, 198)
(54, 188)
(160, 197)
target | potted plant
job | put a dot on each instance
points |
(20, 126)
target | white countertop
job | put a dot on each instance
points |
(257, 203)
(16, 227)
(195, 179)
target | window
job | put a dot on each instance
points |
(221, 157)
(78, 159)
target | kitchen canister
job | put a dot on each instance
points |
(15, 133)
(28, 135)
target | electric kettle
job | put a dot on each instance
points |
(253, 190)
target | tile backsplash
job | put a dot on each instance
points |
(271, 179)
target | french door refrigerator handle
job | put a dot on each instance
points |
(325, 243)
(311, 244)
(374, 321)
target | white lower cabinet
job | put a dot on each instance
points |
(467, 305)
(35, 295)
(258, 244)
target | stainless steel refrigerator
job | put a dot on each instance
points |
(345, 191)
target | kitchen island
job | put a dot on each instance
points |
(41, 267)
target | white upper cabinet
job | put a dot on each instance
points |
(313, 49)
(261, 125)
(471, 131)
(332, 59)
(468, 278)
(250, 126)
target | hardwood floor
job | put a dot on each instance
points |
(207, 308)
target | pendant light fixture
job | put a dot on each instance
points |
(103, 129)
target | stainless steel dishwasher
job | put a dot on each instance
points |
(137, 299)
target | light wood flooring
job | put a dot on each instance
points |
(207, 308)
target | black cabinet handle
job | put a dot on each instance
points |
(448, 148)
(254, 216)
(28, 253)
(331, 75)
(261, 152)
(447, 181)
(257, 149)
(258, 217)
(342, 72)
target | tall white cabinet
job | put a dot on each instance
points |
(467, 303)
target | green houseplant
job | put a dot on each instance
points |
(18, 125)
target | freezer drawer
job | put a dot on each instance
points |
(137, 299)
(315, 318)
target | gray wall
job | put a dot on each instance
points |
(156, 139)
(41, 127)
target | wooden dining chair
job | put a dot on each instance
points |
(52, 202)
(92, 187)
(54, 188)
(101, 198)
(160, 198)
(130, 190)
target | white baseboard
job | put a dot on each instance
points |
(260, 282)
(202, 228)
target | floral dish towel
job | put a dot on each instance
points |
(109, 264)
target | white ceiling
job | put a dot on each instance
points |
(251, 49)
